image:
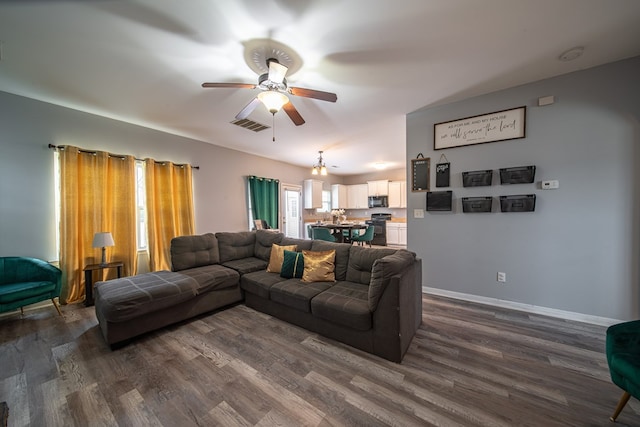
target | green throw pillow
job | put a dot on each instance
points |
(293, 265)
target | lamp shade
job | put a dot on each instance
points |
(273, 100)
(100, 240)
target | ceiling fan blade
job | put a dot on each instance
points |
(293, 114)
(233, 85)
(277, 71)
(248, 109)
(315, 94)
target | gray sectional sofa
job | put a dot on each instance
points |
(375, 303)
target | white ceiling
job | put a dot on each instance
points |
(143, 62)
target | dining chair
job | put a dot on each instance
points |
(320, 233)
(261, 224)
(367, 237)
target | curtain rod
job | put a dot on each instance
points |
(61, 147)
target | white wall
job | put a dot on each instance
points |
(579, 250)
(27, 217)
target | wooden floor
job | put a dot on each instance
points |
(469, 365)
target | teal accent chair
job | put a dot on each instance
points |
(25, 281)
(320, 233)
(367, 237)
(623, 357)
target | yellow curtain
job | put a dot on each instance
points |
(97, 194)
(169, 191)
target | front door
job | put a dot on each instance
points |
(292, 215)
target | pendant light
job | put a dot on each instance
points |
(273, 101)
(320, 168)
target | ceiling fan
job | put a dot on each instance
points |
(274, 89)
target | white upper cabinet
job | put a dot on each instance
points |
(312, 194)
(357, 197)
(378, 188)
(339, 196)
(398, 194)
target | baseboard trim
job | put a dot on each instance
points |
(529, 308)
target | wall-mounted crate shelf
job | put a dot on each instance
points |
(439, 200)
(519, 203)
(517, 175)
(476, 204)
(477, 178)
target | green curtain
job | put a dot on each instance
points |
(264, 196)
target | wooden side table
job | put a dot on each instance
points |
(88, 278)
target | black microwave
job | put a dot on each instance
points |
(378, 201)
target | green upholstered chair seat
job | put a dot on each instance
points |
(623, 356)
(25, 281)
(19, 291)
(320, 233)
(366, 237)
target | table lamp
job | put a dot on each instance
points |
(102, 240)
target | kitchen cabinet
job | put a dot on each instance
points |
(396, 234)
(398, 194)
(339, 196)
(312, 194)
(402, 234)
(357, 196)
(378, 188)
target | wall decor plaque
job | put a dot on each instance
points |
(497, 126)
(420, 170)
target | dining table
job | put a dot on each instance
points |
(339, 228)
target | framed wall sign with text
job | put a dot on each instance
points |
(498, 126)
(420, 174)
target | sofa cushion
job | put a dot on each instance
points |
(344, 303)
(264, 240)
(361, 261)
(342, 255)
(277, 257)
(297, 294)
(22, 290)
(303, 245)
(213, 277)
(292, 265)
(236, 245)
(194, 251)
(129, 297)
(246, 265)
(382, 271)
(319, 266)
(259, 282)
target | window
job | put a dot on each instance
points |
(326, 202)
(141, 206)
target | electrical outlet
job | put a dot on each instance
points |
(502, 277)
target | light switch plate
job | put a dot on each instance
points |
(418, 213)
(550, 185)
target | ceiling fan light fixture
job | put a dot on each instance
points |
(319, 168)
(273, 100)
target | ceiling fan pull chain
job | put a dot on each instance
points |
(273, 118)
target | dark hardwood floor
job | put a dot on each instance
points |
(469, 365)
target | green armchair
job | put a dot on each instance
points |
(623, 356)
(25, 281)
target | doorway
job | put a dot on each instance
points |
(292, 215)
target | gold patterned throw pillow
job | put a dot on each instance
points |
(319, 266)
(277, 256)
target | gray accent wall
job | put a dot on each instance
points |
(27, 208)
(579, 251)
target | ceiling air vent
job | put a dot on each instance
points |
(250, 124)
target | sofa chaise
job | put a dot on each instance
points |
(372, 302)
